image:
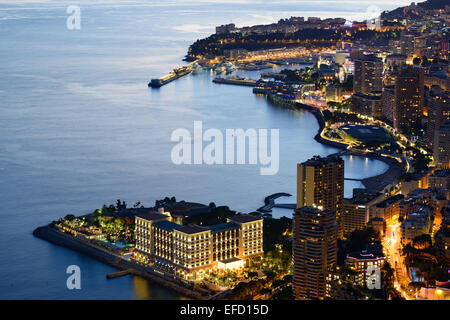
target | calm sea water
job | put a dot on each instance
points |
(79, 127)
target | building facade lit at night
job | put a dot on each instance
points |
(191, 251)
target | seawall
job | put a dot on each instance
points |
(57, 237)
(320, 119)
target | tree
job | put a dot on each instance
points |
(425, 61)
(422, 241)
(120, 205)
(253, 275)
(265, 291)
(287, 278)
(137, 204)
(278, 283)
(69, 217)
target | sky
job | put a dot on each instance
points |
(381, 3)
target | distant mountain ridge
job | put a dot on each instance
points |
(415, 10)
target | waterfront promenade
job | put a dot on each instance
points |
(379, 183)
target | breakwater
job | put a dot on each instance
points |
(235, 81)
(59, 238)
(269, 202)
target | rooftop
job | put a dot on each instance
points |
(151, 216)
(318, 161)
(223, 226)
(243, 218)
(362, 196)
(364, 255)
(192, 228)
(170, 226)
(387, 202)
(167, 225)
(441, 173)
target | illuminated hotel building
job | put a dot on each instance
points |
(320, 182)
(314, 249)
(190, 251)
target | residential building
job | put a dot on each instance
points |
(407, 44)
(387, 209)
(314, 249)
(356, 210)
(409, 97)
(388, 103)
(367, 104)
(367, 75)
(441, 148)
(395, 60)
(415, 181)
(320, 183)
(363, 263)
(416, 224)
(440, 179)
(334, 93)
(438, 110)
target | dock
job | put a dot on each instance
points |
(235, 81)
(173, 75)
(119, 274)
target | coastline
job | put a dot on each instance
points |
(50, 234)
(371, 184)
(189, 290)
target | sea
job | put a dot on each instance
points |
(79, 127)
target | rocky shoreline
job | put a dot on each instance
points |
(59, 238)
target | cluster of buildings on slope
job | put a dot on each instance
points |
(286, 26)
(388, 82)
(323, 215)
(192, 251)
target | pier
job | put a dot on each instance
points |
(235, 81)
(173, 75)
(119, 274)
(269, 202)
